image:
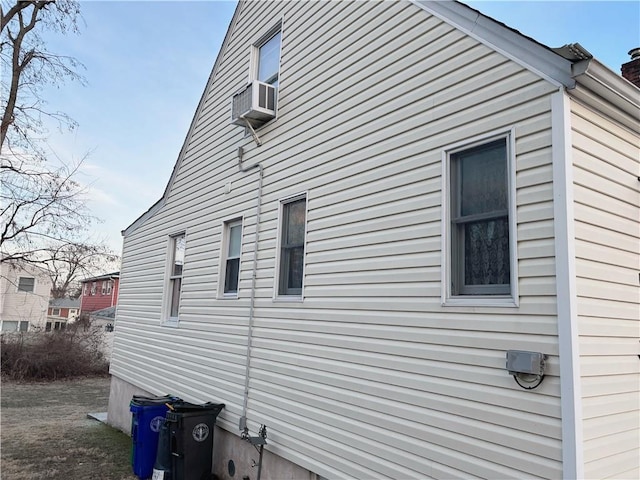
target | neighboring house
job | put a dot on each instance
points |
(62, 311)
(24, 295)
(99, 292)
(105, 320)
(435, 190)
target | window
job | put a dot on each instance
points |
(55, 312)
(47, 327)
(480, 254)
(176, 264)
(104, 287)
(9, 326)
(109, 287)
(292, 236)
(268, 70)
(26, 284)
(231, 259)
(94, 286)
(24, 326)
(86, 289)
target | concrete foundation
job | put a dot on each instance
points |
(232, 456)
(120, 394)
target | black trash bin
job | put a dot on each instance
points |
(191, 429)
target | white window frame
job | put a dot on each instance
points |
(94, 288)
(224, 256)
(255, 52)
(103, 291)
(33, 290)
(55, 312)
(109, 286)
(447, 296)
(85, 291)
(277, 296)
(167, 319)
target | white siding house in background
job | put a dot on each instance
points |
(24, 296)
(434, 190)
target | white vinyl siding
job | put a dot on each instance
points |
(369, 377)
(606, 164)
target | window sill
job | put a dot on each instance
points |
(228, 296)
(173, 323)
(480, 301)
(288, 299)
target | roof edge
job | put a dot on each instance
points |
(160, 203)
(612, 87)
(523, 50)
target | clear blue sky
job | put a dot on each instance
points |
(148, 63)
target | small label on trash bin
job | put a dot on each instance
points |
(157, 475)
(155, 423)
(200, 432)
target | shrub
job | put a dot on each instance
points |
(74, 352)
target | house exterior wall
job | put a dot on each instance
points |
(606, 167)
(98, 301)
(16, 306)
(369, 376)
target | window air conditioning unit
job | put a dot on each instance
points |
(257, 101)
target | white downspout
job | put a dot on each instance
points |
(252, 301)
(568, 337)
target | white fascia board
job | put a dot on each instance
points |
(566, 295)
(513, 45)
(608, 93)
(143, 218)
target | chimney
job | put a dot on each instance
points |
(631, 70)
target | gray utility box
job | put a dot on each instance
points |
(519, 361)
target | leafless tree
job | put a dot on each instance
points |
(68, 264)
(23, 54)
(44, 217)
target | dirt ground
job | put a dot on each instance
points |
(45, 433)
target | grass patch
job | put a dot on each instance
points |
(46, 433)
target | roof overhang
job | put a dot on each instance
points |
(523, 50)
(570, 67)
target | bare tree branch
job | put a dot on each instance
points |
(44, 218)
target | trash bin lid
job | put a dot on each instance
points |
(209, 407)
(140, 400)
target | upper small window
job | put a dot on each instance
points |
(481, 260)
(93, 288)
(104, 287)
(26, 284)
(269, 60)
(55, 312)
(175, 275)
(232, 250)
(292, 247)
(109, 287)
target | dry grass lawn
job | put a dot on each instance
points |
(45, 433)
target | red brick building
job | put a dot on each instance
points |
(99, 292)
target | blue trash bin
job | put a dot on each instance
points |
(147, 415)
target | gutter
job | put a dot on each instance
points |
(600, 88)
